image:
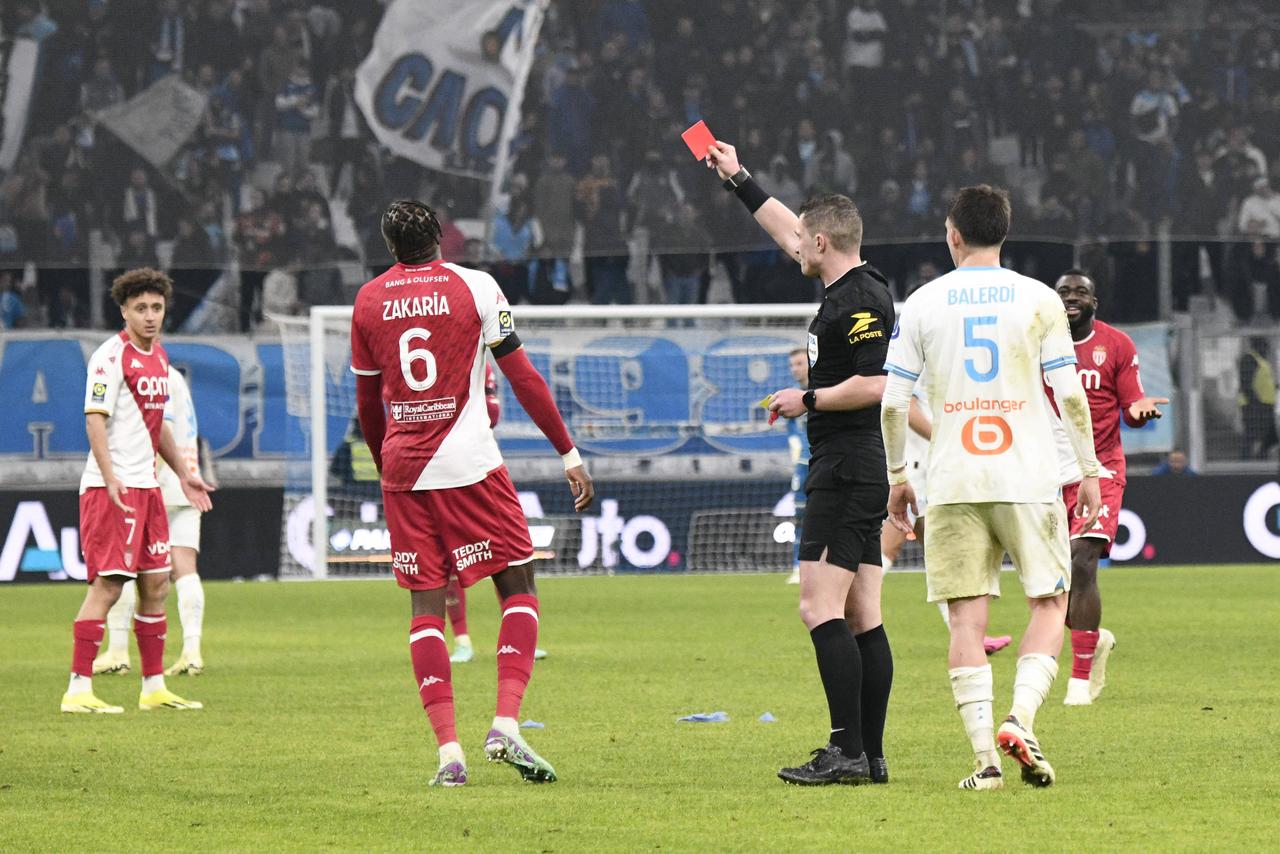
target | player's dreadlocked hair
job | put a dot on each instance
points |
(411, 230)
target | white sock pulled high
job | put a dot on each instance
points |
(120, 619)
(974, 693)
(1036, 672)
(191, 612)
(451, 752)
(509, 727)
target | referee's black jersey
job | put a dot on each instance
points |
(850, 337)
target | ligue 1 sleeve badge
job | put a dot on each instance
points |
(506, 323)
(99, 392)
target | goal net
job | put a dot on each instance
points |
(663, 402)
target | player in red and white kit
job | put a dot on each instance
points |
(455, 600)
(1107, 363)
(124, 531)
(419, 335)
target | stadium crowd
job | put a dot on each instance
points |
(1108, 134)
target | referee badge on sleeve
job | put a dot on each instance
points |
(506, 323)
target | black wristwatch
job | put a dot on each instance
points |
(810, 400)
(737, 179)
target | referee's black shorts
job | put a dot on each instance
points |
(844, 513)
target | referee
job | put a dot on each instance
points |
(847, 488)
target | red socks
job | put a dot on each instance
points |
(517, 640)
(455, 601)
(88, 637)
(435, 680)
(1083, 645)
(150, 630)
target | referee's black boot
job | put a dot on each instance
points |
(829, 765)
(879, 770)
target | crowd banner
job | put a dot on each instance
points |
(430, 92)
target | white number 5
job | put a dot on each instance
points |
(421, 354)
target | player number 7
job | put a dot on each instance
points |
(972, 339)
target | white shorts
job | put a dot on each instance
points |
(184, 527)
(966, 543)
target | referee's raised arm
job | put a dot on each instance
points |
(775, 217)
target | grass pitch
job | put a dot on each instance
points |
(313, 736)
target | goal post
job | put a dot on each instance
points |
(662, 400)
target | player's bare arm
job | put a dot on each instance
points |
(193, 485)
(95, 425)
(531, 390)
(774, 217)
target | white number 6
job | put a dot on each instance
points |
(421, 354)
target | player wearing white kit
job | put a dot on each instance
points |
(891, 538)
(987, 334)
(184, 547)
(184, 527)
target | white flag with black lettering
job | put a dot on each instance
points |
(437, 85)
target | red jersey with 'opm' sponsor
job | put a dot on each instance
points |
(130, 387)
(424, 329)
(1107, 363)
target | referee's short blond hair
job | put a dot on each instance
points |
(836, 217)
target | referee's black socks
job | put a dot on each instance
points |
(840, 666)
(877, 681)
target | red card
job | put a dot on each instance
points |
(699, 138)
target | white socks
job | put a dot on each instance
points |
(451, 752)
(1036, 672)
(191, 612)
(973, 691)
(462, 640)
(151, 684)
(509, 727)
(120, 619)
(80, 684)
